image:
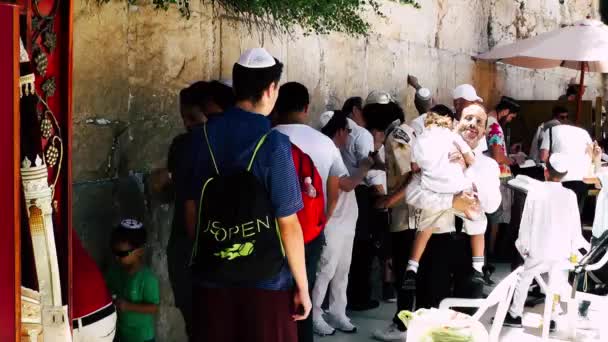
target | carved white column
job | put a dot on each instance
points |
(38, 197)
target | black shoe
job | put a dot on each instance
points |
(513, 322)
(487, 275)
(478, 277)
(552, 326)
(371, 304)
(583, 308)
(409, 281)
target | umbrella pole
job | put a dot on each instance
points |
(579, 96)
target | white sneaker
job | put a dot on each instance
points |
(584, 323)
(342, 324)
(390, 333)
(321, 328)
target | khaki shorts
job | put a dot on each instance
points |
(432, 219)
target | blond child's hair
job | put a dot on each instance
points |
(433, 119)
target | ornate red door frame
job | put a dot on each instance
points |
(46, 29)
(49, 39)
(10, 277)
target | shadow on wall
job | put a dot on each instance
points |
(485, 82)
(99, 207)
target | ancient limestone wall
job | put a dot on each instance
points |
(131, 61)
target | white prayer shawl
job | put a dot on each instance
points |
(550, 228)
(600, 222)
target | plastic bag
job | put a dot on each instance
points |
(435, 325)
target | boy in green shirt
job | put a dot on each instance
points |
(133, 285)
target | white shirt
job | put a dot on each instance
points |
(538, 138)
(550, 226)
(431, 152)
(346, 212)
(484, 173)
(600, 222)
(418, 124)
(321, 149)
(571, 141)
(360, 144)
(378, 177)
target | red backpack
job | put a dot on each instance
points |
(312, 216)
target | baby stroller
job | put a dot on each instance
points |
(591, 273)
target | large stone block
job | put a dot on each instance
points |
(462, 25)
(165, 49)
(91, 148)
(405, 23)
(146, 141)
(100, 55)
(94, 218)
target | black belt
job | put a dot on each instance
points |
(94, 317)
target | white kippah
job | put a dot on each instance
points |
(424, 93)
(131, 224)
(256, 58)
(379, 97)
(559, 162)
(325, 117)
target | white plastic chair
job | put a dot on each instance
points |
(550, 291)
(500, 296)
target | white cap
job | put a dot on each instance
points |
(325, 117)
(379, 97)
(131, 224)
(559, 162)
(424, 93)
(256, 58)
(467, 92)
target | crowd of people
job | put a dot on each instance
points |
(279, 218)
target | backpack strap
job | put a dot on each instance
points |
(550, 140)
(255, 151)
(210, 150)
(312, 168)
(300, 165)
(198, 222)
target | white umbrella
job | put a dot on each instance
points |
(582, 46)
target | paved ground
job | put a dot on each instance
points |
(371, 320)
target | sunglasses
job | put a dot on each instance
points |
(123, 254)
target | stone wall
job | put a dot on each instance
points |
(131, 61)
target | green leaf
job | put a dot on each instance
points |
(313, 16)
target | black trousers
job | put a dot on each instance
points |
(312, 252)
(359, 288)
(179, 250)
(445, 271)
(402, 244)
(581, 190)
